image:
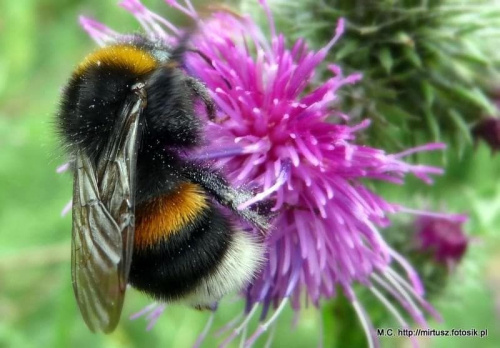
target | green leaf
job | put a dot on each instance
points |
(429, 93)
(385, 57)
(474, 54)
(405, 39)
(475, 96)
(413, 56)
(394, 113)
(461, 125)
(458, 144)
(347, 48)
(433, 125)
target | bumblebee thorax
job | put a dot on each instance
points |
(125, 57)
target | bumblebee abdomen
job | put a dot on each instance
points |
(186, 248)
(180, 238)
(162, 217)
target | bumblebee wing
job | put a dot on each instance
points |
(103, 220)
(96, 252)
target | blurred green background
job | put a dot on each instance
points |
(40, 43)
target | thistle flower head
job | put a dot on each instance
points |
(443, 238)
(278, 130)
(426, 76)
(489, 131)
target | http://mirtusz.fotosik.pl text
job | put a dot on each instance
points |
(419, 332)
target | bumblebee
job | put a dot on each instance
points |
(144, 214)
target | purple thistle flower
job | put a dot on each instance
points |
(489, 131)
(444, 239)
(152, 312)
(277, 131)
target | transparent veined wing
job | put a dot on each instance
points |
(103, 219)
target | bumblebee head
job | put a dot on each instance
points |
(100, 84)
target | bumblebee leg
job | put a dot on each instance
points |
(227, 195)
(209, 62)
(201, 92)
